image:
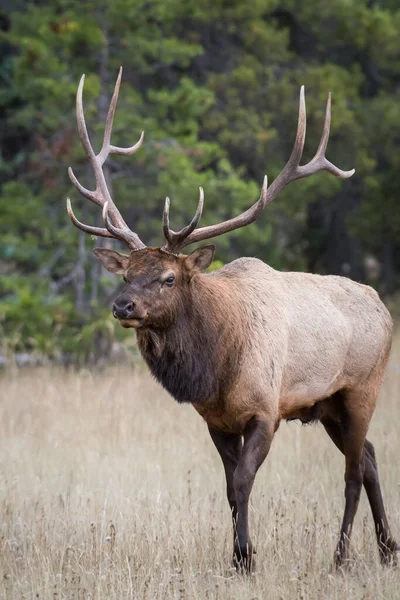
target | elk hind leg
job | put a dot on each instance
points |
(387, 545)
(348, 430)
(334, 427)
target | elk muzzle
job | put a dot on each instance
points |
(128, 313)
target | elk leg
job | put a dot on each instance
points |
(229, 446)
(354, 473)
(350, 439)
(386, 544)
(258, 436)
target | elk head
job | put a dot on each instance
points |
(158, 279)
(156, 283)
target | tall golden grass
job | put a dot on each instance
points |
(111, 490)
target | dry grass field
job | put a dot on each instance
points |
(111, 490)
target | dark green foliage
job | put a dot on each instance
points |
(215, 87)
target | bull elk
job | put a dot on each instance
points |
(249, 346)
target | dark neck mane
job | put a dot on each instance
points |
(189, 358)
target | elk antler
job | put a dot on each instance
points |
(115, 224)
(176, 239)
(292, 170)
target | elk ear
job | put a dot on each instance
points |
(200, 259)
(113, 261)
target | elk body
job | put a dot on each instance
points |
(249, 346)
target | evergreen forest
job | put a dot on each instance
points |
(215, 85)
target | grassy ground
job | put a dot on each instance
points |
(111, 490)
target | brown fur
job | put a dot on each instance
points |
(249, 346)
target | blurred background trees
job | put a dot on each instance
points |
(215, 85)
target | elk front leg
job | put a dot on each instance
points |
(258, 436)
(229, 446)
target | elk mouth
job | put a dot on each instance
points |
(135, 323)
(128, 314)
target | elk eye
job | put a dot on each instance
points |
(170, 280)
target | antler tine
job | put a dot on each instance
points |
(80, 119)
(97, 231)
(84, 191)
(290, 172)
(107, 148)
(175, 238)
(127, 236)
(166, 228)
(130, 150)
(320, 162)
(292, 169)
(327, 127)
(110, 119)
(298, 146)
(116, 226)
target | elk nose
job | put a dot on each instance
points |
(123, 308)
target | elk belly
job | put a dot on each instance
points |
(306, 394)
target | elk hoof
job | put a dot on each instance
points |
(388, 553)
(243, 560)
(341, 559)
